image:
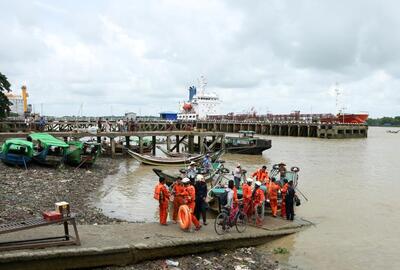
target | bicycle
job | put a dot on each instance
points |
(227, 219)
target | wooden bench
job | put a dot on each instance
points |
(61, 240)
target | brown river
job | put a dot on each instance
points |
(352, 188)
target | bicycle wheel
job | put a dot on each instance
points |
(241, 222)
(220, 225)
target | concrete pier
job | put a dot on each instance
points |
(272, 128)
(130, 243)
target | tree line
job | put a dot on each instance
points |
(384, 121)
(4, 102)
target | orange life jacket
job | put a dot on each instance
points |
(161, 193)
(259, 196)
(273, 190)
(260, 175)
(246, 189)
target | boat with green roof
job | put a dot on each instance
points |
(82, 153)
(18, 152)
(48, 150)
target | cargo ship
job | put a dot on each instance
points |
(200, 105)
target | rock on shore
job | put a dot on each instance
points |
(239, 259)
(27, 193)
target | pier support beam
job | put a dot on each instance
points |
(112, 144)
(177, 143)
(154, 143)
(140, 145)
(191, 144)
(127, 142)
(168, 144)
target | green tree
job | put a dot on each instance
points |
(4, 102)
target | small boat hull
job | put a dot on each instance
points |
(160, 161)
(15, 160)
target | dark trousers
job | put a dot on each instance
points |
(289, 211)
(200, 209)
(237, 181)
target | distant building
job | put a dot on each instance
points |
(130, 116)
(171, 116)
(19, 102)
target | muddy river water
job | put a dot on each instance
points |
(353, 187)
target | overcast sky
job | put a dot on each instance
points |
(141, 56)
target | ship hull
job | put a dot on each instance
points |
(352, 118)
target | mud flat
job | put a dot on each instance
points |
(26, 193)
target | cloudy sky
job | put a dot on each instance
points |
(277, 56)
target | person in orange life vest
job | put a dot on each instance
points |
(283, 192)
(246, 190)
(258, 199)
(261, 175)
(161, 194)
(273, 189)
(177, 189)
(189, 195)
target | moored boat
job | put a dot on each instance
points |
(82, 153)
(169, 179)
(159, 161)
(16, 152)
(48, 150)
(245, 144)
(220, 187)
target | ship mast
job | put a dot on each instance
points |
(202, 85)
(337, 92)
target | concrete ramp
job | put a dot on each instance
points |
(130, 243)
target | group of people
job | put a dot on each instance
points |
(123, 125)
(183, 192)
(192, 191)
(274, 187)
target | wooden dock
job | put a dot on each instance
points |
(173, 138)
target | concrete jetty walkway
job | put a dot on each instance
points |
(122, 244)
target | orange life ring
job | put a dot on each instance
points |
(184, 217)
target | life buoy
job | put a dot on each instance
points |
(295, 169)
(184, 217)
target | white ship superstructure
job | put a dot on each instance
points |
(200, 104)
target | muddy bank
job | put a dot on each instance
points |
(27, 193)
(239, 259)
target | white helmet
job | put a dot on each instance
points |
(248, 179)
(192, 163)
(199, 177)
(185, 180)
(258, 183)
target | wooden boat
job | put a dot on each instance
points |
(48, 150)
(169, 179)
(172, 154)
(17, 152)
(158, 161)
(82, 153)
